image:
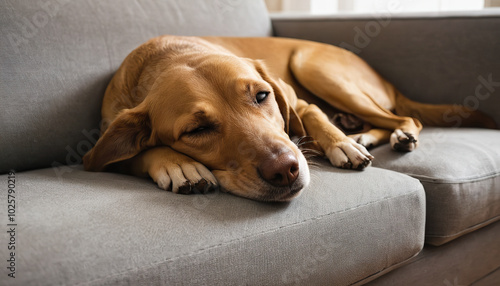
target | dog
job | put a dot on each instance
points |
(199, 113)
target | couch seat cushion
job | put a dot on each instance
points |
(460, 171)
(78, 227)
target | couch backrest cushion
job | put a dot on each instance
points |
(57, 57)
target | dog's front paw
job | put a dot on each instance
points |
(349, 155)
(181, 174)
(403, 141)
(365, 139)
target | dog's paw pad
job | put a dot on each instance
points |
(184, 188)
(403, 141)
(349, 155)
(204, 186)
(347, 165)
(210, 187)
(184, 177)
(200, 187)
(366, 162)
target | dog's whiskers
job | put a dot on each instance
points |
(313, 165)
(311, 154)
(300, 141)
(315, 177)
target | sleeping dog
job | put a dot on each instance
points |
(196, 113)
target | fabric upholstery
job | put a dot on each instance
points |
(433, 58)
(460, 171)
(468, 260)
(57, 57)
(490, 279)
(109, 229)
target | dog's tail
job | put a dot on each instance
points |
(443, 115)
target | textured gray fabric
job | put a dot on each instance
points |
(57, 56)
(491, 279)
(468, 260)
(107, 229)
(460, 171)
(436, 58)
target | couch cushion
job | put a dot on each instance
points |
(57, 56)
(463, 261)
(460, 171)
(109, 229)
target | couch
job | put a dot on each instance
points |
(428, 217)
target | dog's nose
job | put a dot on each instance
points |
(281, 170)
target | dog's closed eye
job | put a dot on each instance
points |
(201, 130)
(200, 125)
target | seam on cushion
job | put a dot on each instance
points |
(388, 269)
(402, 18)
(201, 250)
(486, 276)
(467, 230)
(434, 180)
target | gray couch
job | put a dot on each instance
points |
(422, 218)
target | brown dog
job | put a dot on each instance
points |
(193, 113)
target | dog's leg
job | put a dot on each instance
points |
(342, 151)
(405, 129)
(171, 170)
(443, 115)
(346, 82)
(372, 138)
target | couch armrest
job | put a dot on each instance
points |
(434, 58)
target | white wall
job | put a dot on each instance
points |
(370, 6)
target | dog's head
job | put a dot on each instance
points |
(223, 111)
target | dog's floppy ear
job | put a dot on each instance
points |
(126, 136)
(283, 92)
